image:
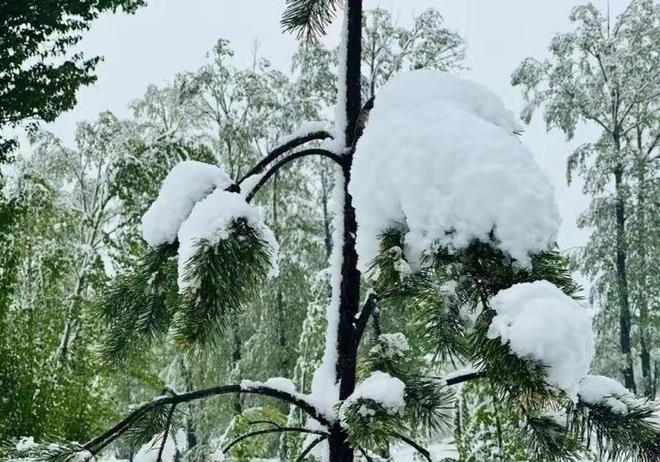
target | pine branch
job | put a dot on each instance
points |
(96, 444)
(308, 18)
(223, 277)
(309, 448)
(425, 453)
(136, 306)
(279, 429)
(165, 434)
(283, 149)
(281, 163)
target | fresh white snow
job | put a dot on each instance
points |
(211, 219)
(539, 322)
(304, 129)
(598, 389)
(396, 344)
(187, 183)
(382, 388)
(276, 383)
(439, 161)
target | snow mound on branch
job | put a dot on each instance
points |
(604, 391)
(541, 323)
(211, 219)
(187, 183)
(438, 160)
(382, 388)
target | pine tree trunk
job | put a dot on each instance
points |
(340, 449)
(622, 278)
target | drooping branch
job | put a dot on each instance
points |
(283, 149)
(165, 434)
(425, 453)
(279, 429)
(282, 162)
(309, 448)
(97, 444)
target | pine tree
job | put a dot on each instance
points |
(474, 287)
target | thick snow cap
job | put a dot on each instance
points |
(187, 183)
(439, 161)
(540, 322)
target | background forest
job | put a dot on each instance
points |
(70, 219)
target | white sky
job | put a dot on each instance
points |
(171, 36)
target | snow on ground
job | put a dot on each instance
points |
(598, 389)
(211, 219)
(187, 183)
(439, 161)
(539, 322)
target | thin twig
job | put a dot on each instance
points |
(309, 448)
(413, 444)
(165, 433)
(370, 306)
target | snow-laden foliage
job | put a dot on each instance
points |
(539, 322)
(601, 390)
(210, 221)
(438, 161)
(187, 183)
(382, 389)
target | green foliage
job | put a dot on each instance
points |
(630, 436)
(429, 402)
(138, 305)
(39, 72)
(223, 277)
(308, 18)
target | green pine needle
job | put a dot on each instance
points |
(224, 276)
(308, 18)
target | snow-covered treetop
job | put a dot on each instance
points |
(539, 322)
(439, 161)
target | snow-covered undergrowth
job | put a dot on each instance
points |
(439, 161)
(539, 322)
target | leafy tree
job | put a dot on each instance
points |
(606, 74)
(39, 73)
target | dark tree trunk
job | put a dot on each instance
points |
(642, 302)
(340, 449)
(622, 279)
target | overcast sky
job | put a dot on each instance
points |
(171, 36)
